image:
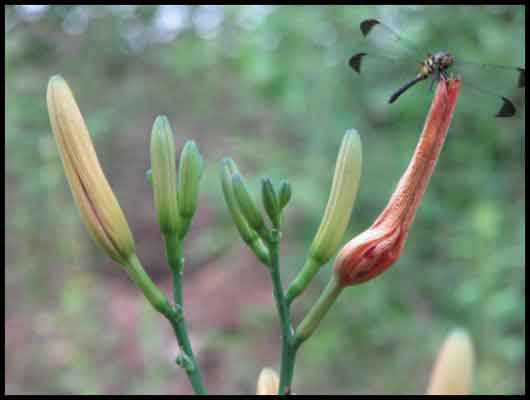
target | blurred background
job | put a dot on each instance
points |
(270, 87)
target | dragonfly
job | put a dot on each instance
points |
(397, 50)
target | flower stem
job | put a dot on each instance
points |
(317, 312)
(288, 348)
(176, 318)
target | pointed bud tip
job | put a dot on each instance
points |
(161, 121)
(56, 78)
(55, 82)
(229, 164)
(191, 143)
(352, 131)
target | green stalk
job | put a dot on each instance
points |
(288, 348)
(176, 319)
(317, 312)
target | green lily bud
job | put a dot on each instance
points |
(246, 203)
(248, 234)
(164, 176)
(248, 207)
(284, 194)
(92, 193)
(190, 172)
(270, 201)
(227, 170)
(337, 214)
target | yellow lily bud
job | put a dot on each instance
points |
(341, 199)
(164, 175)
(92, 193)
(267, 382)
(337, 214)
(453, 369)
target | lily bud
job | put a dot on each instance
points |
(337, 214)
(248, 234)
(341, 199)
(246, 203)
(284, 194)
(270, 201)
(164, 176)
(190, 172)
(453, 369)
(92, 193)
(268, 382)
(377, 248)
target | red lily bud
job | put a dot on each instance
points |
(377, 248)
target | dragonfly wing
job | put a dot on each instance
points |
(384, 37)
(367, 25)
(507, 109)
(491, 85)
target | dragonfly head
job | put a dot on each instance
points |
(443, 60)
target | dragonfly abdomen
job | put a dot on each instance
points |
(402, 89)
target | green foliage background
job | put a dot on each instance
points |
(270, 87)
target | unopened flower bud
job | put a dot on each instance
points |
(164, 176)
(453, 369)
(248, 234)
(270, 201)
(246, 203)
(190, 172)
(284, 194)
(341, 199)
(92, 193)
(268, 382)
(337, 214)
(377, 248)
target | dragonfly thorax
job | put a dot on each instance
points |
(437, 62)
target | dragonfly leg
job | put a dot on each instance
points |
(435, 78)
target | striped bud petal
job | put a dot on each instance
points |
(92, 193)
